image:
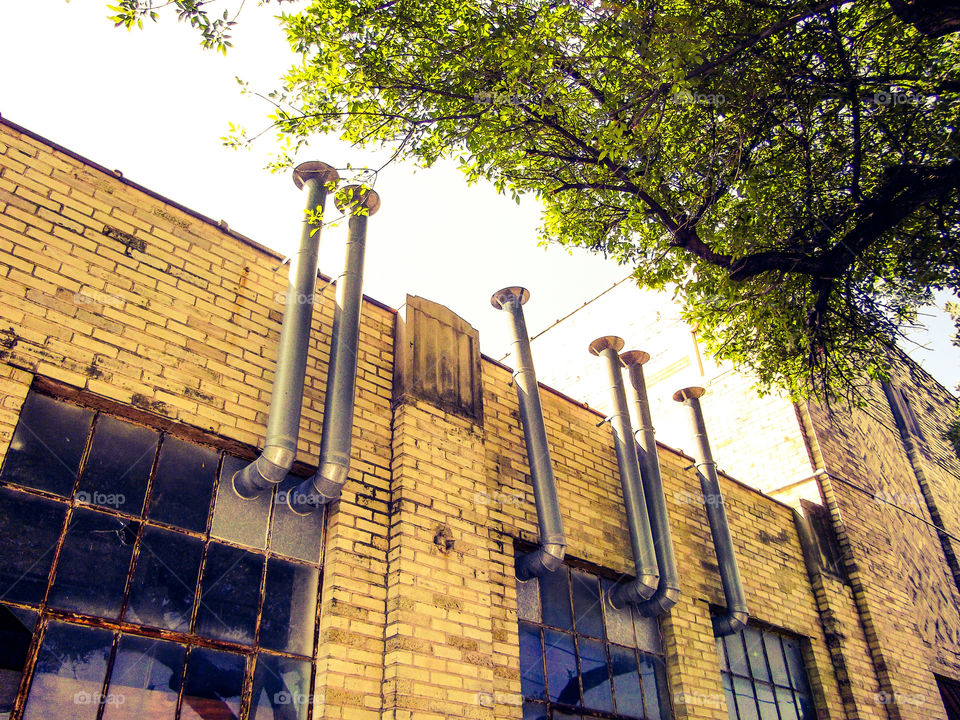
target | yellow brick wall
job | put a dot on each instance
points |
(107, 288)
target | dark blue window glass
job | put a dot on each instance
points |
(626, 681)
(230, 594)
(531, 662)
(555, 599)
(587, 608)
(29, 530)
(563, 685)
(16, 632)
(595, 675)
(534, 711)
(183, 485)
(281, 689)
(145, 678)
(118, 467)
(213, 685)
(289, 607)
(165, 580)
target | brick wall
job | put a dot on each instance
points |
(107, 288)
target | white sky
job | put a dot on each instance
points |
(154, 105)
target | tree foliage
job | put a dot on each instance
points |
(790, 168)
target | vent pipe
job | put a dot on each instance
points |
(638, 521)
(283, 424)
(668, 591)
(549, 556)
(737, 614)
(334, 464)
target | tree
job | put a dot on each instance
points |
(791, 168)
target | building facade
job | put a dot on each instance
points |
(137, 358)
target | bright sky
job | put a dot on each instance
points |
(154, 105)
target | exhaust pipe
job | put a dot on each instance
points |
(668, 591)
(283, 424)
(324, 487)
(638, 521)
(553, 544)
(737, 614)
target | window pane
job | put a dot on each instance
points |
(145, 679)
(754, 642)
(721, 654)
(534, 711)
(94, 562)
(531, 662)
(648, 633)
(213, 685)
(235, 519)
(528, 600)
(555, 599)
(562, 683)
(746, 704)
(281, 689)
(558, 715)
(765, 698)
(595, 675)
(16, 631)
(230, 594)
(29, 530)
(296, 536)
(68, 678)
(619, 622)
(655, 693)
(587, 608)
(183, 485)
(731, 701)
(788, 710)
(805, 705)
(798, 675)
(47, 445)
(736, 655)
(778, 669)
(118, 467)
(289, 607)
(165, 580)
(626, 681)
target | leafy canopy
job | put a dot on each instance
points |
(790, 168)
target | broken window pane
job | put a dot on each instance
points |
(183, 484)
(145, 679)
(47, 445)
(289, 607)
(213, 685)
(68, 678)
(230, 594)
(29, 530)
(165, 580)
(116, 472)
(236, 519)
(296, 536)
(281, 689)
(16, 630)
(94, 562)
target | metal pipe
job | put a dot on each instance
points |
(326, 484)
(737, 613)
(283, 423)
(553, 543)
(668, 591)
(645, 567)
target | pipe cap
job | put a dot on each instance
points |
(688, 393)
(314, 170)
(351, 197)
(607, 342)
(634, 357)
(500, 297)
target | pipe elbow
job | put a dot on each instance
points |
(661, 603)
(266, 471)
(547, 558)
(732, 622)
(322, 489)
(635, 592)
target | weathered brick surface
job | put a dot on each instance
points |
(106, 288)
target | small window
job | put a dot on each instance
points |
(764, 676)
(581, 658)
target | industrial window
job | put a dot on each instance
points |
(134, 583)
(580, 658)
(764, 677)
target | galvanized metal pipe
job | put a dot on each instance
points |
(638, 521)
(283, 423)
(335, 442)
(553, 543)
(668, 590)
(737, 613)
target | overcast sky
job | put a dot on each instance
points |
(154, 105)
